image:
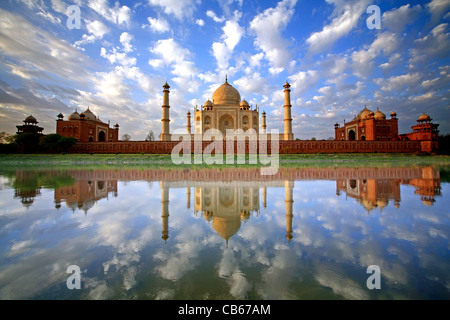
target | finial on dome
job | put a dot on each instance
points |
(226, 78)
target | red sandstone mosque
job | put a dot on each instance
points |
(374, 126)
(86, 127)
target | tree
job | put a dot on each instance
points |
(65, 143)
(150, 136)
(27, 142)
(48, 143)
(126, 137)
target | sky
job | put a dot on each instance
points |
(123, 52)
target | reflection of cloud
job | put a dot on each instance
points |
(340, 284)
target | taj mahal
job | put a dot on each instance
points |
(225, 112)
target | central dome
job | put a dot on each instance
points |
(226, 94)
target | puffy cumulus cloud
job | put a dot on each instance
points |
(345, 17)
(96, 30)
(402, 82)
(267, 28)
(232, 34)
(120, 15)
(179, 8)
(438, 7)
(159, 25)
(253, 84)
(396, 19)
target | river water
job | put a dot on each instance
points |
(305, 233)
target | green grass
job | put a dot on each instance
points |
(165, 161)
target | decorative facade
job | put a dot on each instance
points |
(226, 111)
(86, 127)
(374, 126)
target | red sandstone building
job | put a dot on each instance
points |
(86, 127)
(374, 126)
(30, 126)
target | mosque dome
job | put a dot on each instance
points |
(74, 116)
(226, 94)
(364, 114)
(88, 115)
(30, 119)
(208, 104)
(424, 117)
(226, 227)
(380, 115)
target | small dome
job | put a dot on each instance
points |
(74, 116)
(226, 94)
(424, 117)
(60, 115)
(393, 114)
(380, 115)
(208, 104)
(244, 103)
(30, 119)
(89, 115)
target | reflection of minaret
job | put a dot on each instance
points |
(264, 195)
(188, 197)
(165, 210)
(289, 187)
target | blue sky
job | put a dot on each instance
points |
(124, 51)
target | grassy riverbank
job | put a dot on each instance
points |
(165, 161)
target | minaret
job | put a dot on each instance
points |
(164, 210)
(289, 187)
(165, 132)
(263, 124)
(188, 124)
(287, 113)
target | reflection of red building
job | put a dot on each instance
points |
(86, 127)
(374, 126)
(84, 193)
(376, 193)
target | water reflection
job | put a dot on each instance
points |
(230, 233)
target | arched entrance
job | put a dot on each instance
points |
(351, 135)
(226, 122)
(101, 136)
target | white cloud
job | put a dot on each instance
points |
(213, 16)
(125, 40)
(232, 34)
(346, 17)
(159, 25)
(402, 82)
(437, 7)
(179, 8)
(118, 15)
(200, 22)
(397, 19)
(267, 28)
